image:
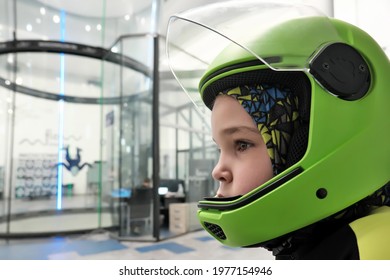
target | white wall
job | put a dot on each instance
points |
(371, 16)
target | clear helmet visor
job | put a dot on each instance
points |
(204, 40)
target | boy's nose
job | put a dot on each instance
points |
(221, 172)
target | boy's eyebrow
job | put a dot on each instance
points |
(234, 129)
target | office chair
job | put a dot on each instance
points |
(140, 210)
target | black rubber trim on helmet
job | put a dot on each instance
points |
(273, 59)
(263, 191)
(220, 199)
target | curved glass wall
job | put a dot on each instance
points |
(87, 114)
(68, 155)
(130, 127)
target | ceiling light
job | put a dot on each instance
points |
(87, 28)
(56, 19)
(114, 49)
(10, 58)
(19, 81)
(42, 10)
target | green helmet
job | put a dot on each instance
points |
(340, 154)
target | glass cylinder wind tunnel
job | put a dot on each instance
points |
(67, 83)
(89, 111)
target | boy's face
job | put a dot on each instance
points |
(244, 163)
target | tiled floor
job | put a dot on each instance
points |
(101, 246)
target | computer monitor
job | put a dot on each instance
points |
(162, 190)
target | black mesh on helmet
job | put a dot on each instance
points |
(298, 145)
(216, 230)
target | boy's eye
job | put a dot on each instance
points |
(242, 145)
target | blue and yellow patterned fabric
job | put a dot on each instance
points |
(274, 110)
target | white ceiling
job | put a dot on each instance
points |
(94, 8)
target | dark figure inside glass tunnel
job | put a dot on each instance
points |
(73, 164)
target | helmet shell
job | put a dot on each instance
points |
(348, 152)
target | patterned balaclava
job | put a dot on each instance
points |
(274, 109)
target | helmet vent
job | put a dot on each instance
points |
(216, 230)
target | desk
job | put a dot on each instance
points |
(164, 206)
